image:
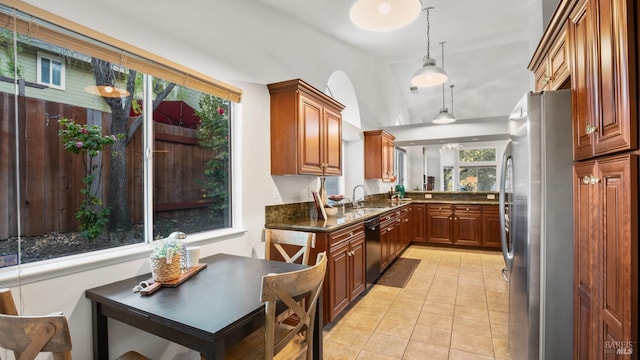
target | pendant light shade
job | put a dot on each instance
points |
(445, 117)
(429, 74)
(384, 15)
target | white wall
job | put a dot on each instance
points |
(243, 57)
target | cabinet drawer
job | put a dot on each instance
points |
(347, 233)
(439, 207)
(468, 208)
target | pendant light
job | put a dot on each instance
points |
(429, 74)
(384, 15)
(445, 117)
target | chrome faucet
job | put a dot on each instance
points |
(364, 195)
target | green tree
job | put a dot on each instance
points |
(87, 141)
(213, 133)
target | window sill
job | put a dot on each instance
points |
(48, 269)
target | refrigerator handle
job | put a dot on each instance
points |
(506, 252)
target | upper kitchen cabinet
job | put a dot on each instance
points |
(602, 42)
(378, 155)
(306, 130)
(552, 71)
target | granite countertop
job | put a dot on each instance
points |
(352, 216)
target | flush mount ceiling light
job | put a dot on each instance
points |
(384, 15)
(107, 91)
(429, 74)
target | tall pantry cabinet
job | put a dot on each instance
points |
(602, 43)
(602, 37)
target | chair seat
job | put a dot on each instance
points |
(252, 347)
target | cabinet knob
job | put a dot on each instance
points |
(450, 218)
(350, 233)
(590, 129)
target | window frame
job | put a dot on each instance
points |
(39, 71)
(458, 165)
(160, 67)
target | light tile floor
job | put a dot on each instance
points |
(455, 306)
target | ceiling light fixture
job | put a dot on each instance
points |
(107, 91)
(384, 15)
(445, 117)
(429, 74)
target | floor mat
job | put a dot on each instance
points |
(399, 273)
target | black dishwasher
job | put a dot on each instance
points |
(372, 246)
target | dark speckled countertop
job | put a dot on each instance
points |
(278, 219)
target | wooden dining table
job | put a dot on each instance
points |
(213, 310)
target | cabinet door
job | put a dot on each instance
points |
(615, 37)
(339, 292)
(617, 253)
(585, 266)
(491, 226)
(387, 158)
(542, 76)
(310, 128)
(357, 266)
(582, 80)
(386, 239)
(439, 224)
(467, 225)
(559, 62)
(419, 222)
(333, 142)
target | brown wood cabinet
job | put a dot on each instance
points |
(454, 224)
(405, 234)
(389, 229)
(553, 72)
(346, 268)
(306, 130)
(491, 226)
(606, 255)
(419, 222)
(378, 155)
(602, 41)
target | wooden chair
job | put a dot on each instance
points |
(8, 307)
(278, 342)
(290, 245)
(28, 336)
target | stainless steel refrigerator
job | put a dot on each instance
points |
(536, 202)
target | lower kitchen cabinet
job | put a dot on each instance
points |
(454, 224)
(419, 223)
(439, 224)
(346, 269)
(606, 257)
(491, 226)
(467, 225)
(389, 229)
(405, 233)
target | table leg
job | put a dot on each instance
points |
(317, 330)
(216, 351)
(100, 333)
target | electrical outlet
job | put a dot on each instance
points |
(491, 196)
(428, 196)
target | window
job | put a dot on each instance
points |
(472, 169)
(51, 71)
(86, 180)
(477, 169)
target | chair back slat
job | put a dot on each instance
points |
(297, 245)
(285, 288)
(31, 335)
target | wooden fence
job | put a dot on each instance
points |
(51, 178)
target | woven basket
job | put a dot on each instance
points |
(163, 271)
